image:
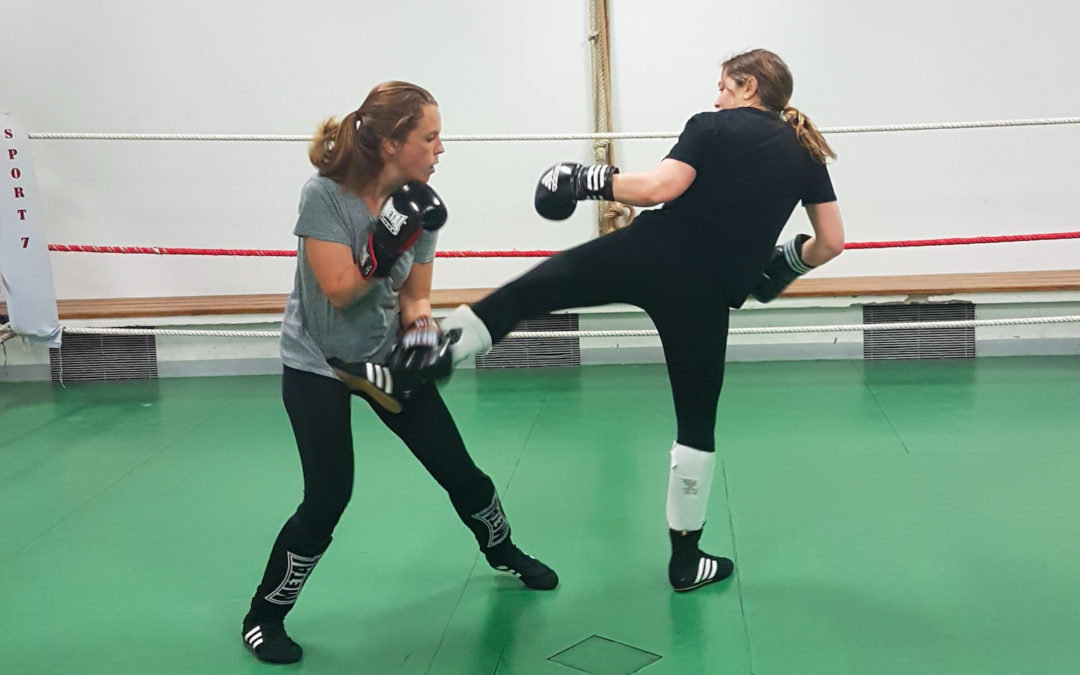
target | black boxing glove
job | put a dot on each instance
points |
(785, 265)
(562, 186)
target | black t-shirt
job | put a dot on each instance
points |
(751, 174)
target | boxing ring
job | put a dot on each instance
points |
(482, 254)
(912, 515)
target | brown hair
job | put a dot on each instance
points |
(390, 112)
(774, 87)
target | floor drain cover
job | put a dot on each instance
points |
(600, 656)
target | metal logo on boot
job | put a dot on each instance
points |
(299, 568)
(495, 519)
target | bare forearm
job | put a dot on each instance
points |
(817, 251)
(336, 272)
(415, 296)
(828, 239)
(348, 288)
(635, 189)
(659, 186)
(413, 309)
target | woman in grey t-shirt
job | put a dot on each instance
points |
(360, 281)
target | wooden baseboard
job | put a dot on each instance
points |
(918, 284)
(937, 284)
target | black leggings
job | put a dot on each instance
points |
(320, 411)
(666, 271)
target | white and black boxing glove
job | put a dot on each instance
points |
(421, 355)
(414, 207)
(562, 186)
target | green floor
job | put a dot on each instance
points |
(884, 518)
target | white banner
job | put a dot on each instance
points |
(25, 273)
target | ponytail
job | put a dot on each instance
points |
(807, 134)
(332, 149)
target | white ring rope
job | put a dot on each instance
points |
(174, 332)
(840, 328)
(753, 330)
(931, 126)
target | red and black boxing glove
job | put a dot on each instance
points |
(413, 208)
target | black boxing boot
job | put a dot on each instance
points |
(692, 568)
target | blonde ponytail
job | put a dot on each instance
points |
(332, 149)
(807, 134)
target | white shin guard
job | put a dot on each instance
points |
(688, 487)
(475, 338)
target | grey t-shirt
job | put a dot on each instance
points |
(312, 329)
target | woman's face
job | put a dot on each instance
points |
(732, 95)
(415, 157)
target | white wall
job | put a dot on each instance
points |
(860, 63)
(506, 67)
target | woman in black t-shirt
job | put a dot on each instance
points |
(728, 187)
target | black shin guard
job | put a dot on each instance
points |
(485, 518)
(293, 557)
(479, 508)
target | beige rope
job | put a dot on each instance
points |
(610, 216)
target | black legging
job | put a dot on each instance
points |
(671, 272)
(319, 409)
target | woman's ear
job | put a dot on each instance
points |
(750, 87)
(389, 147)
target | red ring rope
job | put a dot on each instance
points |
(901, 243)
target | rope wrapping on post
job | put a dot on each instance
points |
(609, 215)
